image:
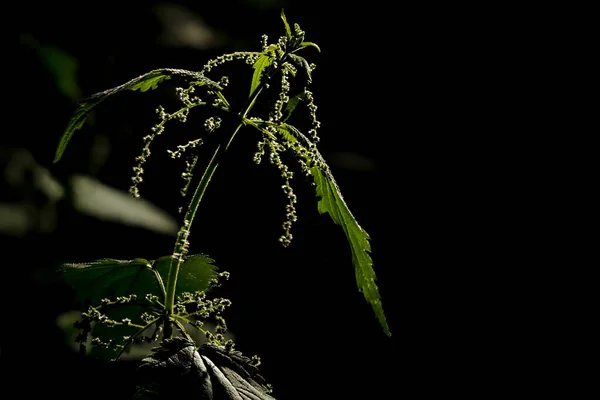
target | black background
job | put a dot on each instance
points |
(403, 88)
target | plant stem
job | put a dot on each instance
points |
(182, 242)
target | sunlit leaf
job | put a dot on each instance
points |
(310, 44)
(151, 82)
(288, 31)
(143, 83)
(196, 273)
(333, 203)
(259, 66)
(285, 132)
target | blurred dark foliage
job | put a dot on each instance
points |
(381, 91)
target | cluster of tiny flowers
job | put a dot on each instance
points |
(197, 305)
(284, 98)
(281, 46)
(187, 175)
(142, 158)
(264, 42)
(260, 152)
(182, 240)
(221, 327)
(182, 148)
(249, 57)
(138, 170)
(212, 124)
(185, 95)
(312, 108)
(189, 101)
(255, 361)
(95, 314)
(111, 344)
(275, 149)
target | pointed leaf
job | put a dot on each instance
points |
(333, 203)
(75, 124)
(109, 278)
(291, 105)
(259, 66)
(310, 44)
(196, 273)
(288, 31)
(143, 83)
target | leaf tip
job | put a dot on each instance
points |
(311, 44)
(288, 30)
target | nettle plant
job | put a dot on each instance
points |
(142, 301)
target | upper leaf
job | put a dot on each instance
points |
(143, 83)
(259, 66)
(288, 31)
(333, 203)
(310, 44)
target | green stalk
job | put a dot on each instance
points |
(183, 234)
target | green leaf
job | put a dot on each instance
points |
(109, 278)
(288, 31)
(310, 44)
(291, 105)
(74, 125)
(150, 82)
(285, 132)
(333, 203)
(143, 83)
(263, 62)
(196, 273)
(301, 62)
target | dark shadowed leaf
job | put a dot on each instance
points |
(333, 203)
(143, 83)
(302, 63)
(177, 370)
(291, 106)
(109, 278)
